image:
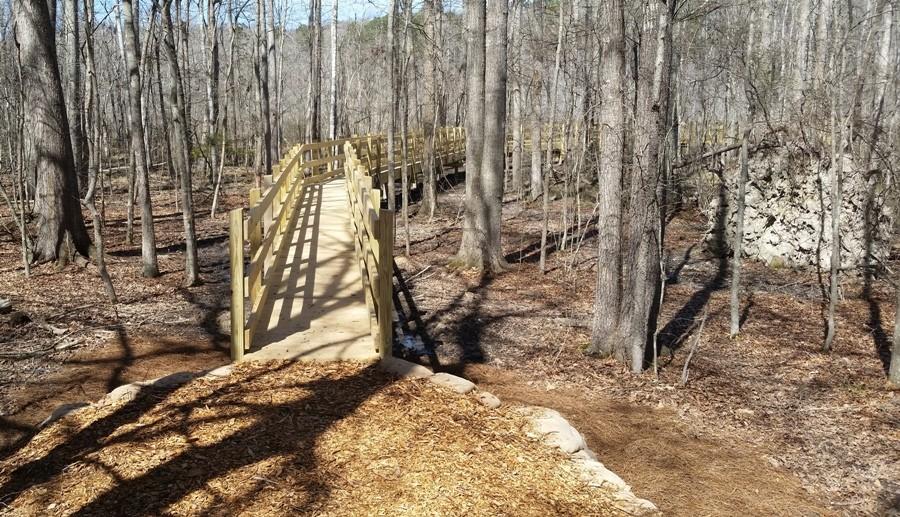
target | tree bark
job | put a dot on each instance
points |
(605, 338)
(181, 157)
(641, 260)
(333, 110)
(56, 195)
(73, 84)
(474, 234)
(132, 62)
(212, 85)
(314, 99)
(93, 151)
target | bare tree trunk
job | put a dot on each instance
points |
(548, 174)
(182, 152)
(493, 164)
(265, 129)
(536, 158)
(93, 151)
(73, 84)
(314, 100)
(332, 111)
(223, 120)
(429, 126)
(605, 339)
(641, 261)
(212, 85)
(56, 195)
(516, 101)
(737, 246)
(132, 60)
(474, 234)
(395, 85)
(272, 68)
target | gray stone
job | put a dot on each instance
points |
(457, 384)
(124, 393)
(170, 381)
(220, 372)
(557, 431)
(61, 411)
(404, 369)
(488, 399)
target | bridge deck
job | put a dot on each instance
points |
(319, 309)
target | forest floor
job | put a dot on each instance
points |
(767, 424)
(66, 344)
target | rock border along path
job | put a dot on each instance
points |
(547, 425)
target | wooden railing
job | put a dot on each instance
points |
(373, 239)
(257, 235)
(366, 173)
(262, 232)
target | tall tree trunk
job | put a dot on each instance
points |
(332, 110)
(536, 158)
(272, 64)
(182, 153)
(265, 130)
(395, 86)
(516, 101)
(737, 246)
(641, 261)
(212, 85)
(56, 195)
(132, 61)
(93, 151)
(429, 125)
(493, 164)
(474, 232)
(314, 99)
(548, 171)
(73, 84)
(605, 340)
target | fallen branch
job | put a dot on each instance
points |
(687, 362)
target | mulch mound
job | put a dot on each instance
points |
(294, 438)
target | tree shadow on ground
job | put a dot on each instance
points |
(671, 335)
(531, 253)
(284, 431)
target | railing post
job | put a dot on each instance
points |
(386, 278)
(236, 253)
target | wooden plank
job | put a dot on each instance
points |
(236, 254)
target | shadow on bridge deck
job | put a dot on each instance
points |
(318, 311)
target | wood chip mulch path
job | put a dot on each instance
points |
(294, 438)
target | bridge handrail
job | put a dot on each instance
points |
(373, 240)
(262, 232)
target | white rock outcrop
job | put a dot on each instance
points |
(787, 221)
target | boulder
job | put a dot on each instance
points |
(488, 399)
(404, 369)
(62, 411)
(556, 430)
(457, 384)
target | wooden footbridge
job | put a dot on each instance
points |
(311, 258)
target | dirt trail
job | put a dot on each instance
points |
(662, 459)
(89, 374)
